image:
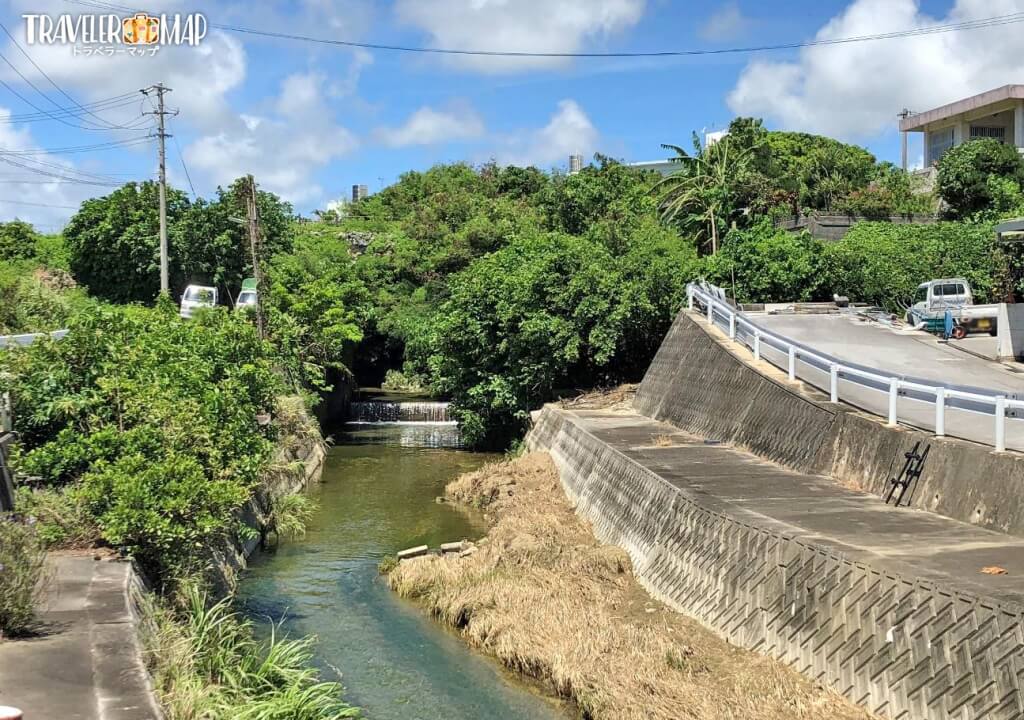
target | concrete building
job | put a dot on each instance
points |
(995, 114)
(575, 163)
(359, 192)
(667, 167)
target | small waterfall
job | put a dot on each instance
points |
(384, 411)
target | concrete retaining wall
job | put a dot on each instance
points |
(698, 383)
(901, 646)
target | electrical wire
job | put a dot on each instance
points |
(42, 205)
(185, 168)
(129, 142)
(994, 21)
(108, 104)
(108, 125)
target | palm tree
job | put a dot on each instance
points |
(700, 196)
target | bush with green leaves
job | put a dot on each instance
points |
(153, 422)
(545, 312)
(22, 560)
(966, 172)
(883, 263)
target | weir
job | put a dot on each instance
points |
(377, 411)
(756, 505)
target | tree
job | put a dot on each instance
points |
(965, 172)
(17, 240)
(702, 196)
(114, 241)
(210, 244)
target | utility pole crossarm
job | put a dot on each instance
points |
(159, 90)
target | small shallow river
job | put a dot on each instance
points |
(377, 497)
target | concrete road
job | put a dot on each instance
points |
(908, 353)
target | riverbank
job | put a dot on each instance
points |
(549, 601)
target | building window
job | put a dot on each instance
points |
(979, 131)
(939, 141)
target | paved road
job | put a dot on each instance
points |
(909, 353)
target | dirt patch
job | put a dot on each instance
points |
(545, 598)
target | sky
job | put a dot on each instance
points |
(309, 120)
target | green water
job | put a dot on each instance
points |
(377, 497)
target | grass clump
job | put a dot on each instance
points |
(207, 664)
(549, 601)
(22, 560)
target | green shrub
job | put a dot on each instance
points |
(965, 172)
(22, 559)
(62, 517)
(883, 263)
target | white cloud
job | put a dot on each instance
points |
(428, 126)
(43, 200)
(279, 150)
(855, 90)
(517, 25)
(568, 131)
(726, 23)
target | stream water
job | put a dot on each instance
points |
(377, 497)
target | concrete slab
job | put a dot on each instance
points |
(913, 543)
(85, 662)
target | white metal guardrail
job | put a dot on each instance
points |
(825, 372)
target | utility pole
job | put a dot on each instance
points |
(252, 215)
(160, 112)
(903, 137)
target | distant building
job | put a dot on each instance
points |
(359, 192)
(997, 114)
(710, 138)
(663, 167)
(575, 164)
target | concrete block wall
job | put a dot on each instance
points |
(900, 646)
(699, 383)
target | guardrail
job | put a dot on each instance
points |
(798, 358)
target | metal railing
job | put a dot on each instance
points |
(797, 358)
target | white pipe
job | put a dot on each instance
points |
(757, 346)
(732, 326)
(1000, 423)
(940, 412)
(894, 393)
(711, 310)
(792, 363)
(834, 382)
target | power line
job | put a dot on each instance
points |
(912, 32)
(109, 125)
(41, 205)
(184, 167)
(109, 104)
(129, 142)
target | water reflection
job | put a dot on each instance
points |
(403, 434)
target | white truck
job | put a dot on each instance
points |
(935, 297)
(195, 297)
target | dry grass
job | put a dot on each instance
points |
(617, 398)
(662, 441)
(548, 601)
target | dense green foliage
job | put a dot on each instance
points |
(974, 176)
(152, 420)
(114, 240)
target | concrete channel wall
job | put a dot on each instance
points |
(698, 383)
(901, 646)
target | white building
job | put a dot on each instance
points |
(995, 114)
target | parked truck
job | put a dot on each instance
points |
(935, 298)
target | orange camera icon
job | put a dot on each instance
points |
(142, 29)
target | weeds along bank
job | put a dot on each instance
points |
(181, 445)
(548, 601)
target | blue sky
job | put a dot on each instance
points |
(310, 120)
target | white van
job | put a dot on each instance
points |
(197, 296)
